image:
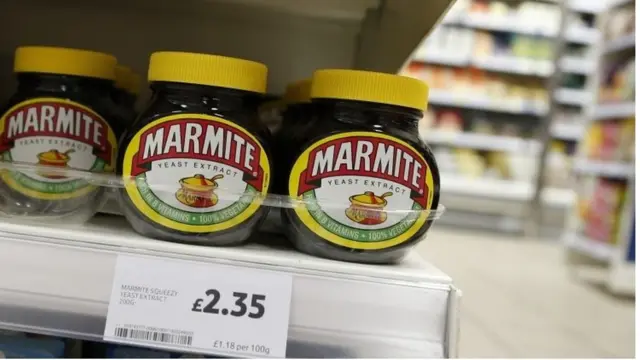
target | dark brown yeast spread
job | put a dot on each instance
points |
(60, 117)
(195, 164)
(364, 184)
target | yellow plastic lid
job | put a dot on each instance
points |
(369, 86)
(64, 61)
(127, 80)
(298, 92)
(210, 70)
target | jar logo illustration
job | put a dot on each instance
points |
(54, 133)
(197, 191)
(195, 173)
(367, 208)
(362, 190)
(54, 157)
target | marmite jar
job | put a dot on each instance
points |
(194, 163)
(364, 188)
(60, 119)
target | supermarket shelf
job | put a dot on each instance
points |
(482, 141)
(597, 250)
(624, 42)
(617, 3)
(503, 189)
(499, 23)
(572, 132)
(582, 35)
(577, 65)
(445, 98)
(503, 64)
(603, 168)
(616, 110)
(592, 7)
(572, 96)
(513, 24)
(514, 65)
(61, 280)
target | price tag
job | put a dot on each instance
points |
(195, 307)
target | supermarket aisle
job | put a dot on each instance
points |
(520, 301)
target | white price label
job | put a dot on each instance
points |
(205, 308)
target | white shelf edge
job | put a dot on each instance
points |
(621, 43)
(594, 249)
(614, 110)
(572, 132)
(47, 285)
(577, 65)
(511, 24)
(504, 189)
(616, 3)
(445, 98)
(572, 96)
(604, 168)
(482, 141)
(502, 64)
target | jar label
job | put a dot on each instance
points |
(58, 134)
(362, 190)
(195, 173)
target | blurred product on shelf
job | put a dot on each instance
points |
(466, 45)
(620, 22)
(573, 81)
(559, 165)
(610, 140)
(618, 81)
(470, 84)
(532, 16)
(599, 208)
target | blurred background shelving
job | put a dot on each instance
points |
(601, 233)
(513, 82)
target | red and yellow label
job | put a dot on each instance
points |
(196, 173)
(57, 134)
(362, 190)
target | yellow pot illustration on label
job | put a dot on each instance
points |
(197, 191)
(368, 208)
(56, 158)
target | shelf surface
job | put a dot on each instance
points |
(565, 131)
(604, 168)
(61, 283)
(502, 64)
(575, 97)
(504, 189)
(597, 250)
(446, 98)
(614, 110)
(624, 42)
(513, 24)
(577, 65)
(482, 141)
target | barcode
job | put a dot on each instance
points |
(156, 336)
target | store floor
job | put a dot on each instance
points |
(520, 300)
